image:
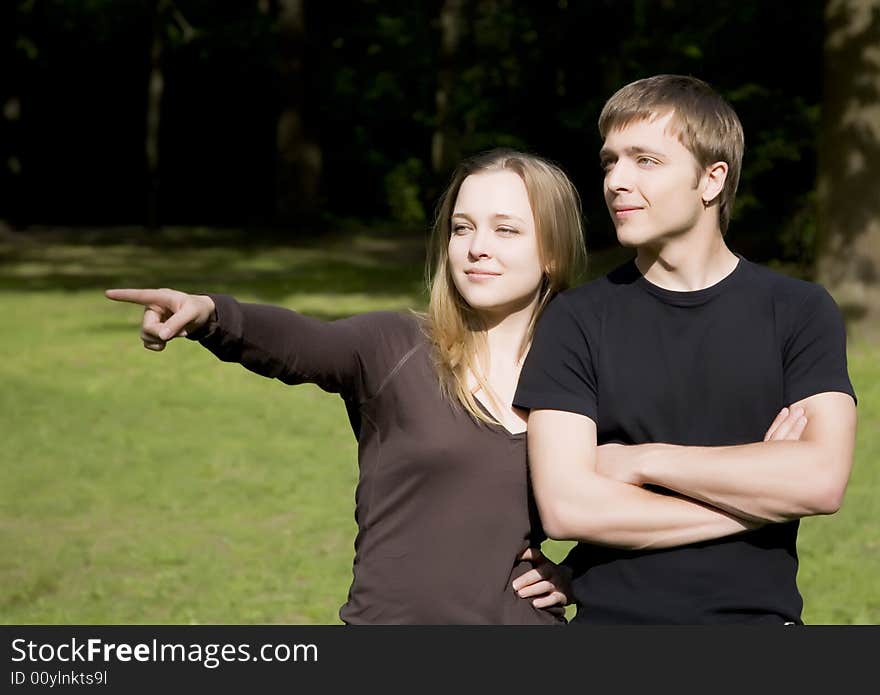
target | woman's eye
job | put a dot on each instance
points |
(459, 229)
(507, 231)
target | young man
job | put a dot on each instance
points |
(677, 362)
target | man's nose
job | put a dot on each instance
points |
(618, 177)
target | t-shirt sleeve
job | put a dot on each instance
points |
(559, 372)
(285, 345)
(814, 354)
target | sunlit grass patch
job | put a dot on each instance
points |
(138, 487)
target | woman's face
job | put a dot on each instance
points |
(493, 248)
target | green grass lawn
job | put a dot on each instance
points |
(138, 487)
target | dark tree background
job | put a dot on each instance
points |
(849, 171)
(292, 114)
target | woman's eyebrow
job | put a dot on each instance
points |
(506, 216)
(495, 216)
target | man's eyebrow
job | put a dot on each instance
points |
(606, 153)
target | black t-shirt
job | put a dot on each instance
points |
(705, 368)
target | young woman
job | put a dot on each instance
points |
(445, 517)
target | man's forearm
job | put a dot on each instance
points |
(607, 512)
(766, 481)
(576, 503)
(775, 480)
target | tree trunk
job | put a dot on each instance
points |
(156, 86)
(848, 261)
(299, 158)
(444, 146)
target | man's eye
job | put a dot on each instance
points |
(606, 165)
(647, 162)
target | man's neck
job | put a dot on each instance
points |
(690, 262)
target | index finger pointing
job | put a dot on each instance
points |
(142, 297)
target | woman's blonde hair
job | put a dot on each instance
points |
(455, 330)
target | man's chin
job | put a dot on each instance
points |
(627, 239)
(633, 237)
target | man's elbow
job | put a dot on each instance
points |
(555, 522)
(560, 520)
(830, 499)
(828, 493)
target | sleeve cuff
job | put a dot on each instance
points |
(532, 400)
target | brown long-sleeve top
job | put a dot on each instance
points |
(443, 505)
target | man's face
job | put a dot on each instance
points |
(652, 184)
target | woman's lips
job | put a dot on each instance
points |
(478, 275)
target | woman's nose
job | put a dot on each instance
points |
(481, 243)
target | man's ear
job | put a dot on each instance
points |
(712, 181)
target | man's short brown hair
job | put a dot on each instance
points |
(703, 121)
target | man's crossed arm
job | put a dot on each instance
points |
(766, 481)
(593, 494)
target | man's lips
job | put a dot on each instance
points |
(624, 211)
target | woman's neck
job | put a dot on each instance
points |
(505, 335)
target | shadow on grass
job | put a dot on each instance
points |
(199, 236)
(228, 262)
